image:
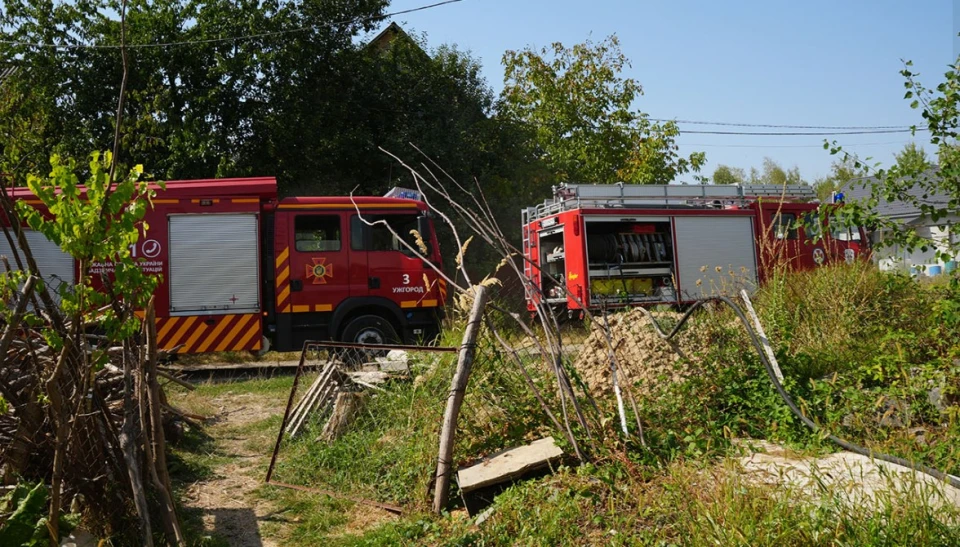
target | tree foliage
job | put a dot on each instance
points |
(913, 158)
(724, 174)
(580, 112)
(97, 223)
(841, 173)
(771, 172)
(208, 106)
(935, 195)
(297, 96)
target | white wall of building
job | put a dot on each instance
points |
(943, 235)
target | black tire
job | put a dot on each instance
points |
(367, 329)
(370, 329)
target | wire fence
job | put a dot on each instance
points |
(345, 432)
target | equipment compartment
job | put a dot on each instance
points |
(630, 260)
(552, 264)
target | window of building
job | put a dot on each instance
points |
(317, 233)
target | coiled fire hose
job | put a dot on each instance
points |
(846, 445)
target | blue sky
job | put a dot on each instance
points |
(775, 62)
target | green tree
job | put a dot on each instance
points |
(312, 106)
(841, 173)
(913, 157)
(260, 104)
(725, 174)
(96, 223)
(909, 180)
(772, 172)
(579, 110)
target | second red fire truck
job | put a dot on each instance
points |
(594, 246)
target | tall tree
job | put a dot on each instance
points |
(580, 112)
(841, 173)
(237, 88)
(913, 157)
(724, 174)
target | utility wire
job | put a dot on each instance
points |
(801, 133)
(231, 38)
(785, 126)
(713, 145)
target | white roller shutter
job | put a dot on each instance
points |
(213, 264)
(705, 243)
(56, 266)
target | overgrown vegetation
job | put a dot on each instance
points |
(861, 349)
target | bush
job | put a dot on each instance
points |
(869, 355)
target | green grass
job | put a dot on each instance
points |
(848, 339)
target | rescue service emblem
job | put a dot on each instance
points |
(319, 271)
(818, 256)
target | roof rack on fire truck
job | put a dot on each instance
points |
(573, 196)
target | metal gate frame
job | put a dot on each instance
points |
(330, 347)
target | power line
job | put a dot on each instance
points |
(712, 145)
(231, 38)
(785, 126)
(799, 133)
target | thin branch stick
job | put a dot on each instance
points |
(120, 100)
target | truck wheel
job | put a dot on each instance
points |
(370, 329)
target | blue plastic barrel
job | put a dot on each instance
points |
(935, 269)
(950, 266)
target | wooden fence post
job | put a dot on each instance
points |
(458, 387)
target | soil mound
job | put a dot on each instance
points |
(643, 359)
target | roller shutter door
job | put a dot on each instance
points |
(705, 243)
(213, 264)
(56, 266)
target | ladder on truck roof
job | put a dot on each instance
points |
(573, 196)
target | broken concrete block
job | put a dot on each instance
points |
(396, 360)
(508, 464)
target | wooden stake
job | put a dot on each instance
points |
(161, 478)
(458, 387)
(767, 348)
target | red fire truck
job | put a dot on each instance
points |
(600, 246)
(242, 270)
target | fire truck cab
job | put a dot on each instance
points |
(596, 246)
(242, 270)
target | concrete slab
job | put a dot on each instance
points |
(508, 464)
(849, 477)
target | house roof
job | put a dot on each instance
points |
(896, 209)
(387, 37)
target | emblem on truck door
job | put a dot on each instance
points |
(319, 271)
(818, 255)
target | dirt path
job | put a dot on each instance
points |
(230, 508)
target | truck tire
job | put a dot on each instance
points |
(370, 329)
